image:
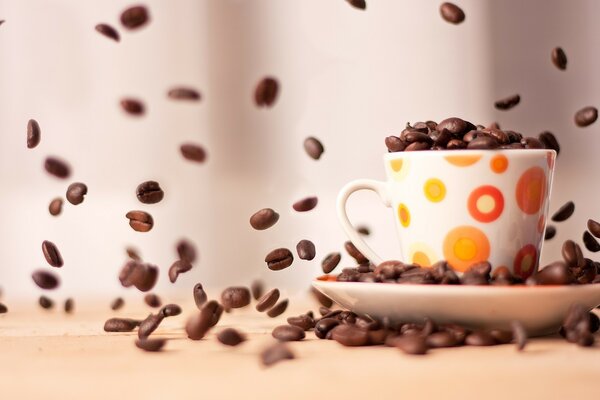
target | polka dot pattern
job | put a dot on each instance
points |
(485, 203)
(435, 190)
(463, 160)
(525, 261)
(464, 246)
(531, 190)
(404, 215)
(499, 163)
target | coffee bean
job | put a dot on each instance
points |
(330, 262)
(324, 326)
(200, 296)
(549, 141)
(170, 310)
(108, 31)
(564, 212)
(355, 253)
(594, 322)
(275, 353)
(559, 58)
(135, 17)
(452, 13)
(45, 302)
(231, 337)
(193, 152)
(33, 134)
(215, 310)
(149, 325)
(266, 92)
(572, 254)
(117, 304)
(413, 136)
(264, 219)
(151, 345)
(133, 253)
(75, 193)
(441, 339)
(149, 192)
(363, 230)
(454, 125)
(288, 333)
(133, 106)
(594, 227)
(418, 146)
(184, 93)
(306, 250)
(508, 102)
(456, 144)
(152, 300)
(360, 4)
(305, 204)
(186, 250)
(3, 309)
(279, 259)
(140, 221)
(500, 336)
(69, 305)
(120, 325)
(178, 267)
(394, 144)
(483, 143)
(590, 243)
(200, 323)
(141, 275)
(412, 344)
(57, 167)
(520, 334)
(257, 288)
(586, 116)
(55, 206)
(268, 300)
(313, 147)
(235, 297)
(550, 232)
(51, 254)
(304, 321)
(278, 309)
(45, 279)
(349, 335)
(480, 338)
(556, 273)
(531, 143)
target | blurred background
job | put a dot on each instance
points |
(348, 77)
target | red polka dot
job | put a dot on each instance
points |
(486, 203)
(525, 261)
(531, 190)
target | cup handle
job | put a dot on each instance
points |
(378, 187)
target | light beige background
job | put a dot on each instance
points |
(348, 77)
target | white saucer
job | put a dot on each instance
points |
(541, 309)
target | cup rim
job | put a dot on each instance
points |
(512, 153)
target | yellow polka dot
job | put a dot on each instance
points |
(465, 249)
(435, 190)
(421, 259)
(396, 165)
(404, 215)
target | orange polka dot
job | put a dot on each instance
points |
(525, 261)
(404, 215)
(435, 190)
(541, 223)
(531, 190)
(421, 259)
(462, 161)
(499, 163)
(396, 165)
(465, 246)
(485, 203)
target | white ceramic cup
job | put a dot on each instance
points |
(463, 206)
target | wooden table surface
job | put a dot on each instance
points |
(50, 355)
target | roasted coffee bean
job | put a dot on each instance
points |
(413, 136)
(3, 309)
(324, 325)
(532, 143)
(186, 250)
(117, 304)
(149, 192)
(108, 31)
(140, 221)
(418, 146)
(235, 297)
(133, 106)
(184, 93)
(411, 344)
(193, 152)
(324, 310)
(268, 300)
(483, 143)
(306, 250)
(278, 309)
(141, 275)
(474, 134)
(305, 204)
(231, 337)
(355, 253)
(288, 333)
(590, 243)
(330, 262)
(360, 4)
(508, 102)
(452, 13)
(200, 296)
(394, 144)
(120, 325)
(45, 302)
(170, 310)
(178, 267)
(500, 336)
(57, 167)
(456, 144)
(594, 322)
(257, 289)
(76, 192)
(321, 298)
(55, 206)
(313, 147)
(564, 212)
(363, 230)
(303, 321)
(556, 273)
(151, 345)
(200, 323)
(152, 300)
(559, 58)
(586, 116)
(133, 253)
(33, 134)
(69, 305)
(149, 325)
(264, 219)
(266, 92)
(519, 334)
(549, 141)
(51, 254)
(275, 353)
(572, 254)
(135, 17)
(45, 279)
(594, 227)
(215, 310)
(454, 125)
(550, 232)
(279, 259)
(480, 338)
(441, 339)
(349, 335)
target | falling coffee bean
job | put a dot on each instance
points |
(152, 300)
(140, 221)
(360, 4)
(305, 204)
(200, 323)
(186, 250)
(549, 141)
(33, 134)
(264, 219)
(133, 106)
(69, 305)
(151, 345)
(559, 58)
(51, 254)
(330, 262)
(278, 309)
(235, 297)
(57, 167)
(355, 253)
(275, 353)
(184, 93)
(268, 300)
(200, 296)
(550, 232)
(193, 152)
(170, 310)
(3, 309)
(586, 116)
(279, 259)
(452, 13)
(108, 31)
(134, 17)
(519, 334)
(564, 212)
(288, 333)
(76, 192)
(149, 325)
(45, 279)
(231, 337)
(178, 267)
(141, 275)
(55, 206)
(133, 253)
(120, 325)
(313, 147)
(257, 288)
(306, 250)
(117, 304)
(363, 230)
(594, 227)
(45, 302)
(266, 92)
(590, 243)
(508, 102)
(149, 192)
